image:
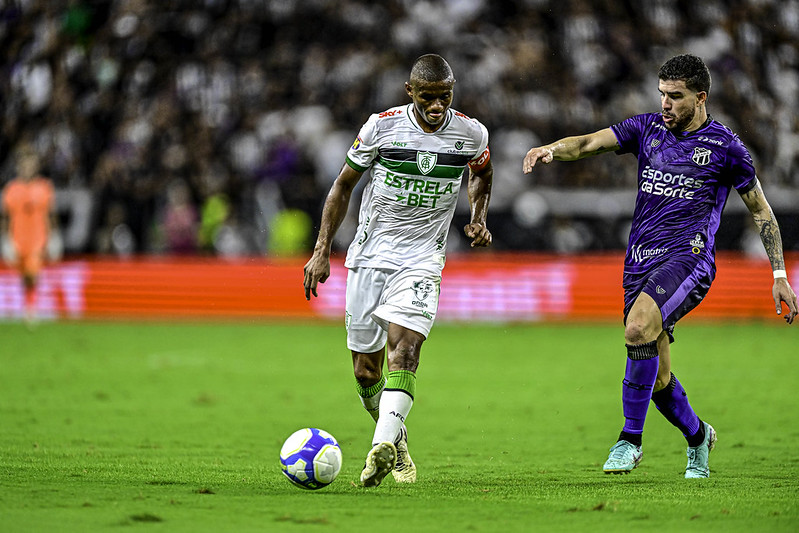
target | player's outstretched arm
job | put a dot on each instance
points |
(572, 148)
(766, 223)
(317, 269)
(479, 192)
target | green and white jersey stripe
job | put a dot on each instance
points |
(408, 204)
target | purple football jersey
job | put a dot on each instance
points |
(683, 184)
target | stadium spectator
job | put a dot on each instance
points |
(226, 82)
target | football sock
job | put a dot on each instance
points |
(30, 299)
(639, 379)
(672, 402)
(395, 404)
(370, 396)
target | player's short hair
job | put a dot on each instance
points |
(688, 68)
(431, 68)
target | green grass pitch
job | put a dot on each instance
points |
(177, 427)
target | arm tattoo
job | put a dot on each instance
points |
(772, 241)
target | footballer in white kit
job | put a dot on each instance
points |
(404, 219)
(417, 154)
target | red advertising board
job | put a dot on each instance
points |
(476, 286)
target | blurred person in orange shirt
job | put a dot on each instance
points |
(27, 223)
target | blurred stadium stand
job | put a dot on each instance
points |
(216, 127)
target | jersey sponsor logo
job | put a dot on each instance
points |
(660, 290)
(697, 244)
(400, 144)
(667, 184)
(357, 143)
(717, 142)
(426, 161)
(420, 193)
(391, 113)
(641, 254)
(459, 145)
(701, 156)
(655, 143)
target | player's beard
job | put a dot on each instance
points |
(681, 122)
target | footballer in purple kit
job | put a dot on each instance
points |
(687, 164)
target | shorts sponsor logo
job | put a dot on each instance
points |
(660, 290)
(426, 161)
(701, 156)
(641, 254)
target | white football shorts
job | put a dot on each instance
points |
(377, 297)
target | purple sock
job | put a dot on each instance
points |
(639, 378)
(672, 402)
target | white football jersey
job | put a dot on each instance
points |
(407, 206)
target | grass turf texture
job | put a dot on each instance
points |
(177, 427)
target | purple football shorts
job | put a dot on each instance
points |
(677, 285)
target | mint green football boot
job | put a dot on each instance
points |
(624, 457)
(698, 457)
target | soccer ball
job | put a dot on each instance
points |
(311, 458)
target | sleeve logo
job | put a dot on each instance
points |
(356, 144)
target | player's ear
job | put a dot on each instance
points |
(701, 97)
(409, 89)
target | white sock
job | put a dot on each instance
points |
(372, 405)
(394, 408)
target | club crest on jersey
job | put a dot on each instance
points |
(701, 156)
(426, 161)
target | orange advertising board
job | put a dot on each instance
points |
(476, 286)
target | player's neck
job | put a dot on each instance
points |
(700, 118)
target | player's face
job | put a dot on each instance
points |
(27, 167)
(430, 102)
(679, 105)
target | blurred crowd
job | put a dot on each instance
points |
(217, 126)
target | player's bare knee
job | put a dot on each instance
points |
(636, 332)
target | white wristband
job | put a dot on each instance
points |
(780, 274)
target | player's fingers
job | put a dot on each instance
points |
(482, 239)
(529, 162)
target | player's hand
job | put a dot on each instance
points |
(317, 270)
(783, 292)
(540, 153)
(479, 234)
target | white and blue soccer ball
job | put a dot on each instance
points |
(311, 458)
